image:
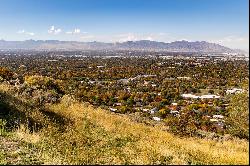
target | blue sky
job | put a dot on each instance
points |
(220, 21)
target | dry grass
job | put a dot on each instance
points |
(96, 136)
(4, 87)
(140, 144)
(23, 134)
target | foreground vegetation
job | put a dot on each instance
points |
(68, 108)
(71, 132)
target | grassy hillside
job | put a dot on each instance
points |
(70, 132)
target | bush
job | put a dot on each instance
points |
(44, 83)
(124, 109)
(37, 80)
(6, 73)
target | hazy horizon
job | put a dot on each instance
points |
(115, 41)
(223, 22)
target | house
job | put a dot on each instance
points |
(189, 96)
(201, 97)
(225, 105)
(210, 105)
(52, 60)
(113, 109)
(123, 81)
(174, 104)
(172, 107)
(184, 78)
(174, 112)
(214, 120)
(154, 110)
(138, 104)
(145, 110)
(169, 79)
(210, 102)
(217, 108)
(156, 118)
(91, 82)
(137, 108)
(153, 85)
(117, 104)
(22, 67)
(218, 116)
(234, 91)
(219, 125)
(209, 96)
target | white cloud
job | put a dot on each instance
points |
(240, 42)
(185, 39)
(75, 31)
(133, 37)
(54, 30)
(30, 33)
(127, 37)
(163, 37)
(26, 33)
(87, 37)
(232, 38)
(162, 34)
(21, 31)
(57, 31)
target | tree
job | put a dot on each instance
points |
(6, 73)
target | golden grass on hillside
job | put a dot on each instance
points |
(4, 87)
(79, 134)
(142, 144)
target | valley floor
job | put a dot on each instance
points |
(76, 133)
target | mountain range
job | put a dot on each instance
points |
(176, 46)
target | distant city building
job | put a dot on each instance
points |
(156, 118)
(234, 90)
(201, 97)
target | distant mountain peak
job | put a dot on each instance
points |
(179, 46)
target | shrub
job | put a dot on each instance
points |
(37, 80)
(6, 73)
(44, 83)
